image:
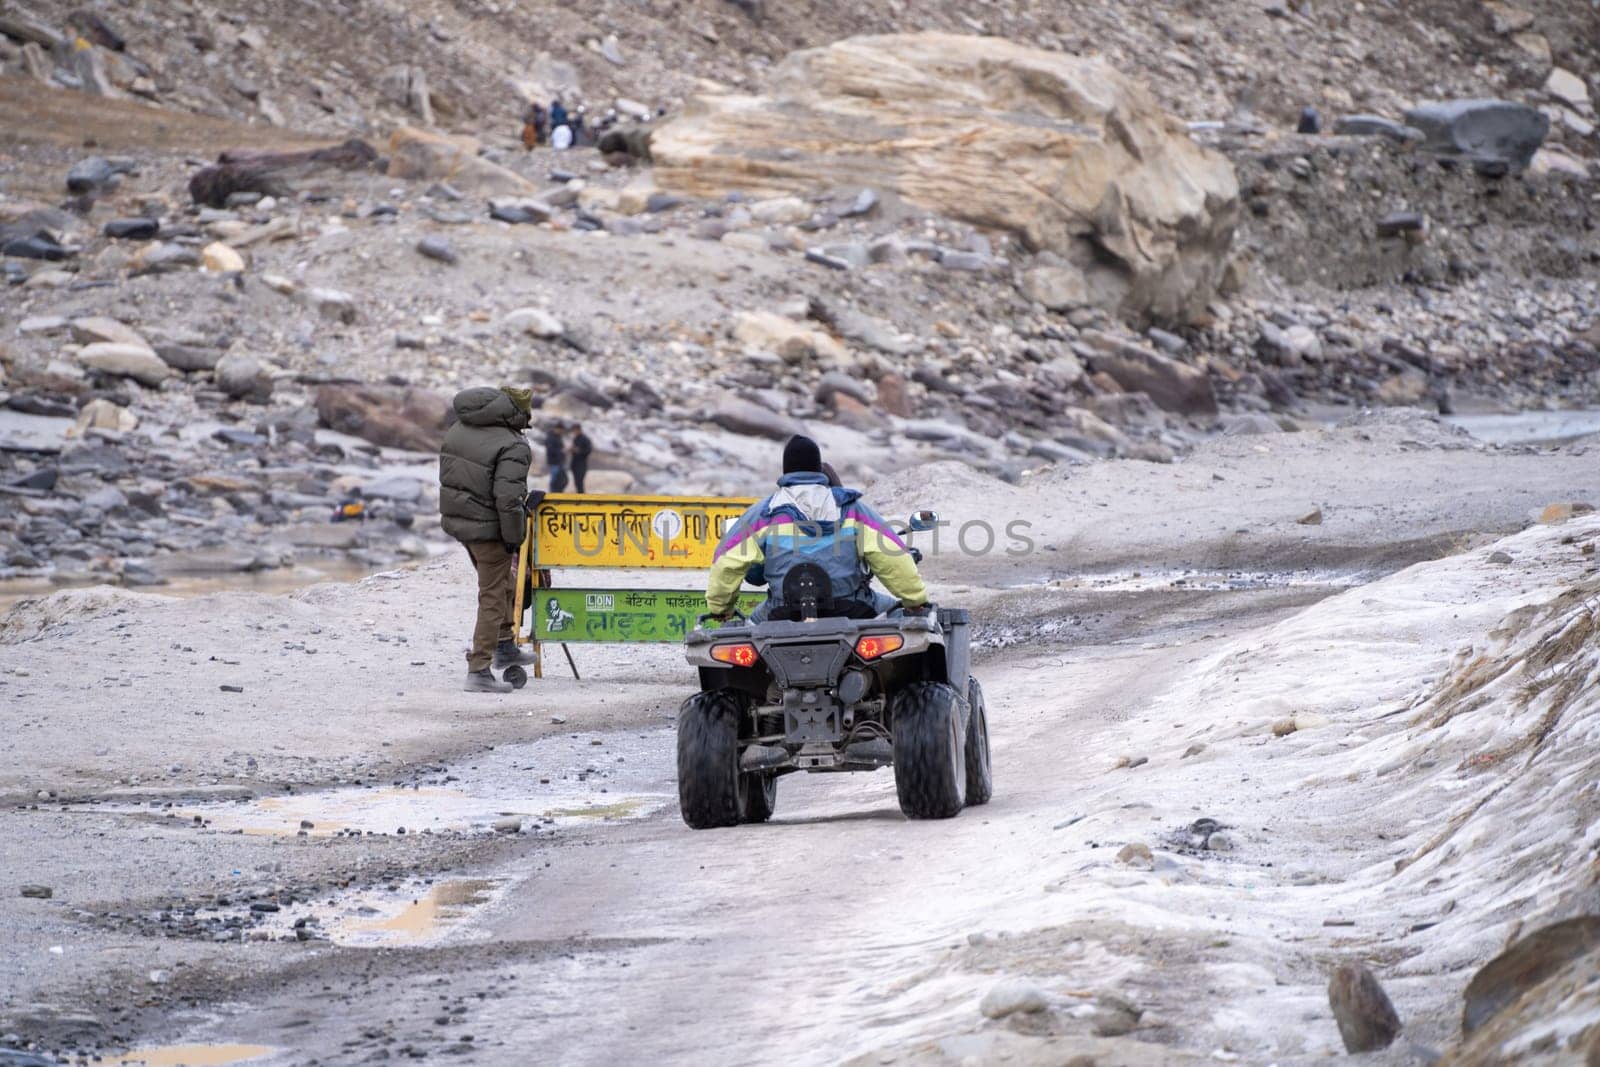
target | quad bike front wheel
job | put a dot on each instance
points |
(980, 786)
(711, 790)
(930, 766)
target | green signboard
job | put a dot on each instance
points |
(570, 615)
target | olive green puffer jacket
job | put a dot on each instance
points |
(483, 469)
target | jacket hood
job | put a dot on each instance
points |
(485, 406)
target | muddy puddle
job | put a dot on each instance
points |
(187, 1056)
(412, 914)
(547, 787)
(557, 781)
(1149, 581)
(282, 580)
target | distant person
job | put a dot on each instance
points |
(575, 120)
(581, 447)
(483, 484)
(558, 114)
(535, 126)
(555, 458)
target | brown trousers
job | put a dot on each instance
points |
(497, 583)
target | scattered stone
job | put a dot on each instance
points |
(126, 361)
(1559, 513)
(1499, 558)
(509, 825)
(1375, 126)
(535, 322)
(272, 173)
(1402, 223)
(1311, 518)
(95, 173)
(835, 383)
(1284, 727)
(519, 210)
(411, 419)
(1173, 386)
(863, 329)
(333, 304)
(1527, 963)
(38, 245)
(91, 329)
(164, 258)
(865, 203)
(1114, 1016)
(1568, 88)
(220, 258)
(1310, 121)
(741, 416)
(765, 331)
(137, 229)
(38, 892)
(1497, 136)
(421, 155)
(438, 248)
(1137, 856)
(1366, 1018)
(1012, 996)
(1057, 287)
(188, 358)
(243, 377)
(102, 414)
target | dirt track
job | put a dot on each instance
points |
(607, 930)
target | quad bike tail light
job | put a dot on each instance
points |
(872, 646)
(742, 654)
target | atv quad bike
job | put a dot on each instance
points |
(817, 692)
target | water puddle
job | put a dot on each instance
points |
(387, 917)
(562, 781)
(1149, 581)
(187, 1056)
(283, 580)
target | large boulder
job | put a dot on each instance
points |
(1065, 152)
(1173, 386)
(1496, 136)
(412, 419)
(422, 156)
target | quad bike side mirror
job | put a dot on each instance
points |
(921, 521)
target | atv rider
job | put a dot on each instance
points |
(809, 521)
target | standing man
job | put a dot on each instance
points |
(555, 458)
(483, 483)
(581, 447)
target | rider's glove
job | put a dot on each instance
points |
(919, 609)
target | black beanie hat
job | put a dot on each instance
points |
(802, 454)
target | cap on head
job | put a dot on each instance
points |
(801, 454)
(522, 399)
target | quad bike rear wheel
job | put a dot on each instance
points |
(930, 767)
(711, 789)
(980, 786)
(758, 796)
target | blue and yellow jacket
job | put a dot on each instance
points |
(807, 521)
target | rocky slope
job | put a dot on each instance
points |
(199, 385)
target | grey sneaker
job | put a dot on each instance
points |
(485, 682)
(508, 654)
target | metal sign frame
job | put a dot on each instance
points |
(583, 530)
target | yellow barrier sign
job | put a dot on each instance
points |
(590, 530)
